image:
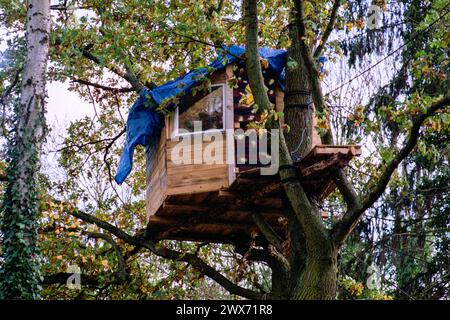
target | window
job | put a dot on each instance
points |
(209, 111)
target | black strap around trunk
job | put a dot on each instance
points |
(297, 92)
(298, 105)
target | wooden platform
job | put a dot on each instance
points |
(225, 215)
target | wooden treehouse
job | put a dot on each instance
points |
(204, 201)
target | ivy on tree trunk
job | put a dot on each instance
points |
(20, 276)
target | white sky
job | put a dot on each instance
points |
(64, 106)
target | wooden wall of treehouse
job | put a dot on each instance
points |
(164, 178)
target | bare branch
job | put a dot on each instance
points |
(128, 75)
(108, 146)
(328, 29)
(103, 87)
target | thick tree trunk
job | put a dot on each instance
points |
(312, 262)
(317, 281)
(316, 277)
(298, 112)
(20, 272)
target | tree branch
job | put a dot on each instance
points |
(62, 277)
(271, 236)
(108, 146)
(328, 29)
(103, 87)
(310, 66)
(200, 265)
(12, 85)
(121, 274)
(348, 222)
(254, 71)
(193, 260)
(345, 188)
(128, 75)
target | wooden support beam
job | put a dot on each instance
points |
(352, 150)
(187, 208)
(224, 193)
(333, 161)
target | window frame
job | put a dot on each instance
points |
(175, 119)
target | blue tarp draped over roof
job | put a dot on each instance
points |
(143, 120)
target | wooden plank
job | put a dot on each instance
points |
(193, 169)
(197, 188)
(192, 214)
(218, 77)
(175, 181)
(333, 161)
(226, 193)
(168, 120)
(269, 202)
(156, 172)
(217, 156)
(327, 189)
(327, 150)
(158, 221)
(185, 209)
(200, 176)
(229, 124)
(325, 215)
(353, 150)
(201, 172)
(194, 181)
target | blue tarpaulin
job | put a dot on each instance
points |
(144, 121)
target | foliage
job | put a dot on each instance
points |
(98, 44)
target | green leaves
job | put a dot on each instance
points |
(291, 63)
(386, 154)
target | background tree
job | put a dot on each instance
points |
(20, 276)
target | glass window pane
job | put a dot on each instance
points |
(208, 110)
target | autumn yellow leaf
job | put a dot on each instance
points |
(264, 63)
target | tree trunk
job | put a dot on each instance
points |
(316, 277)
(317, 281)
(298, 109)
(312, 264)
(20, 272)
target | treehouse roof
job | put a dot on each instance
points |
(144, 123)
